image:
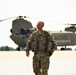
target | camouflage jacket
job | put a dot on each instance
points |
(39, 42)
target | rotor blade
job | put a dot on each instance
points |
(70, 24)
(44, 20)
(8, 18)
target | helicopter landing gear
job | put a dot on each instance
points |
(18, 48)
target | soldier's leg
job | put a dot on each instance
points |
(36, 66)
(45, 66)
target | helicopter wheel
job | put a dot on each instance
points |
(18, 48)
(62, 49)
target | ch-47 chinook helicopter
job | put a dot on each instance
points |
(21, 30)
(66, 38)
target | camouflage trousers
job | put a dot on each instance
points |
(41, 65)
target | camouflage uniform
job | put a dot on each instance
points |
(37, 42)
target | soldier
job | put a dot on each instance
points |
(42, 43)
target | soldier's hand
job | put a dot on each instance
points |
(52, 51)
(27, 54)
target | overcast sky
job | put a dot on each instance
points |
(56, 12)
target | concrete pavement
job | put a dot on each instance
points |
(16, 63)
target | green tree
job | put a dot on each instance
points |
(6, 48)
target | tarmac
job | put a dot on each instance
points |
(16, 63)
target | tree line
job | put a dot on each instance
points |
(7, 48)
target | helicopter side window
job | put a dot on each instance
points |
(25, 31)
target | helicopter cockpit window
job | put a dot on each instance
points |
(25, 31)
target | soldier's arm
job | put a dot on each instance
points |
(54, 45)
(30, 40)
(28, 46)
